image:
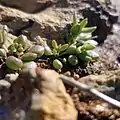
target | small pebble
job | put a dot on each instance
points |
(76, 76)
(67, 73)
(112, 117)
(118, 119)
(4, 84)
(117, 113)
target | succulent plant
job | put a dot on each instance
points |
(79, 44)
(19, 52)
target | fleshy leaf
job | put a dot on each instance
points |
(92, 54)
(88, 29)
(83, 23)
(64, 47)
(54, 52)
(75, 21)
(54, 44)
(88, 47)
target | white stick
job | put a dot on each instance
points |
(74, 83)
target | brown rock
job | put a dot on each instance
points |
(51, 102)
(48, 24)
(93, 80)
(28, 6)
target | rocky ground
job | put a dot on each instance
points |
(49, 98)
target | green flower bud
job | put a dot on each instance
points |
(57, 64)
(29, 57)
(64, 60)
(73, 60)
(14, 63)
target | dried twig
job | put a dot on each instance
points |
(70, 81)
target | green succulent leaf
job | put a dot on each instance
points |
(27, 57)
(85, 57)
(84, 36)
(64, 47)
(93, 54)
(55, 52)
(70, 38)
(71, 49)
(75, 30)
(75, 20)
(14, 63)
(12, 48)
(54, 44)
(83, 23)
(88, 29)
(79, 50)
(88, 47)
(91, 42)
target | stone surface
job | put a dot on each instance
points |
(28, 6)
(52, 22)
(51, 102)
(47, 24)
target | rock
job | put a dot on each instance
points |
(29, 68)
(47, 24)
(4, 84)
(52, 22)
(31, 6)
(93, 80)
(51, 102)
(103, 15)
